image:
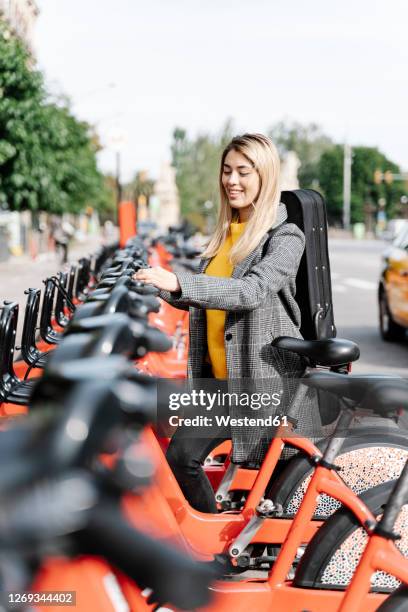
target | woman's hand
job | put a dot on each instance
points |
(159, 277)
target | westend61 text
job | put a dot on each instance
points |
(206, 400)
(226, 420)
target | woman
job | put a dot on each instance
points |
(241, 299)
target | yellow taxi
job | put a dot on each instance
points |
(393, 289)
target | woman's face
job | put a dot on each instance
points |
(241, 183)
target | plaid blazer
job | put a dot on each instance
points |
(259, 298)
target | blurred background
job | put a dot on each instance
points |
(102, 102)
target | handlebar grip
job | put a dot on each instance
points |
(173, 577)
(149, 301)
(148, 338)
(156, 340)
(142, 289)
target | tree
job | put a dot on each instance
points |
(197, 168)
(108, 200)
(308, 141)
(364, 191)
(21, 96)
(69, 154)
(47, 156)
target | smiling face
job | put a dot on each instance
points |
(241, 183)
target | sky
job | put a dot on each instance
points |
(139, 69)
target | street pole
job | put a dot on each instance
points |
(116, 141)
(346, 186)
(118, 182)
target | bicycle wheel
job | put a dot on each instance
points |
(332, 555)
(369, 457)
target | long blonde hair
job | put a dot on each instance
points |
(263, 156)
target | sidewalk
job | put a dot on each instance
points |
(19, 273)
(335, 232)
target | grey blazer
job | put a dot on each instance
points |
(260, 302)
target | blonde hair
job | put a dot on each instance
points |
(263, 156)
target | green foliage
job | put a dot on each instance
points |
(197, 168)
(308, 141)
(108, 199)
(330, 173)
(47, 156)
(364, 191)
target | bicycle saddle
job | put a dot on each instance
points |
(328, 352)
(113, 273)
(142, 288)
(72, 347)
(126, 281)
(114, 340)
(120, 299)
(385, 395)
(139, 399)
(119, 333)
(89, 309)
(93, 368)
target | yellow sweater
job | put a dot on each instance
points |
(220, 266)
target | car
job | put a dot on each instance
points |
(393, 290)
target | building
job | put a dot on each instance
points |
(165, 204)
(20, 15)
(289, 171)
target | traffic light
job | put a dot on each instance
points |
(378, 177)
(388, 177)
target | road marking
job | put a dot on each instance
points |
(339, 289)
(335, 275)
(359, 283)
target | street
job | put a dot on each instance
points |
(20, 273)
(355, 267)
